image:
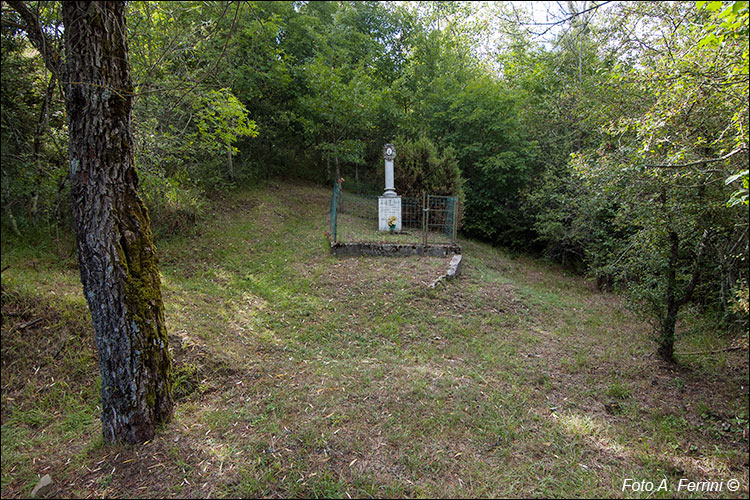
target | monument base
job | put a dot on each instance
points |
(389, 206)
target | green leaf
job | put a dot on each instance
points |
(727, 12)
(734, 177)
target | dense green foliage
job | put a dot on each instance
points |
(34, 145)
(616, 143)
(421, 168)
(645, 203)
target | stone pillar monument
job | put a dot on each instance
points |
(389, 205)
(389, 153)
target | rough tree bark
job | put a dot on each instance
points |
(672, 306)
(116, 252)
(673, 303)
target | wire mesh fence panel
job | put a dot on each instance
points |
(441, 219)
(358, 221)
(411, 214)
(354, 218)
(357, 216)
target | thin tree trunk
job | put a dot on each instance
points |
(230, 166)
(116, 252)
(666, 336)
(12, 219)
(41, 127)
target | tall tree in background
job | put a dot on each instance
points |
(343, 111)
(116, 253)
(649, 201)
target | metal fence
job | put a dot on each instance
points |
(427, 220)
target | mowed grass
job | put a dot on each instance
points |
(303, 375)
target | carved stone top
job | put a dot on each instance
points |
(389, 151)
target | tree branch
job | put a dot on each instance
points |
(563, 21)
(38, 38)
(699, 162)
(216, 66)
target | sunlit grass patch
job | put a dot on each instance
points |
(619, 390)
(580, 425)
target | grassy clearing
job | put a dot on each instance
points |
(305, 375)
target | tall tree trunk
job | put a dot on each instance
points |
(116, 252)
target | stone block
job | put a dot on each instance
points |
(44, 488)
(389, 206)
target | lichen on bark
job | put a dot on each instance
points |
(116, 252)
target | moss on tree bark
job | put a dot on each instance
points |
(116, 252)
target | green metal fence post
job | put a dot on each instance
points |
(425, 216)
(455, 219)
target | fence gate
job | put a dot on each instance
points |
(439, 219)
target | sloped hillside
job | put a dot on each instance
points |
(299, 374)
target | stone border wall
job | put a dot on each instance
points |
(393, 249)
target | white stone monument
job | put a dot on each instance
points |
(389, 205)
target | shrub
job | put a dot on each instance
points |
(421, 167)
(174, 205)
